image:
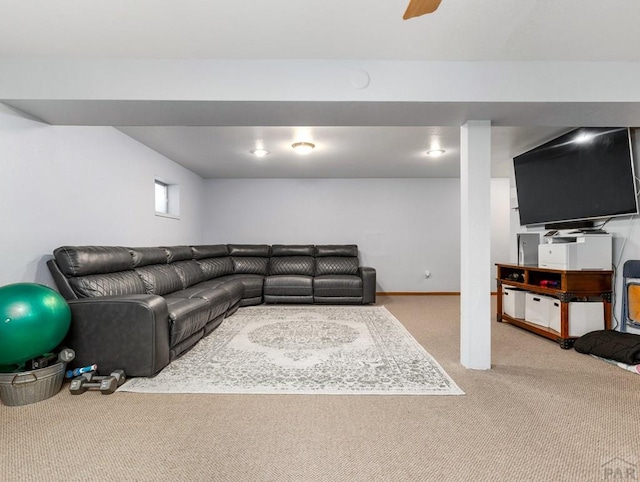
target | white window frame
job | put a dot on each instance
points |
(171, 201)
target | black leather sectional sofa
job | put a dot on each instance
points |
(138, 309)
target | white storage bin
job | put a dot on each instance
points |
(537, 309)
(513, 301)
(585, 317)
(554, 315)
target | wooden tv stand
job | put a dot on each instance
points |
(571, 286)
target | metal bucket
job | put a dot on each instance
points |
(23, 388)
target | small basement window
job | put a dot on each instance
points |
(162, 197)
(167, 197)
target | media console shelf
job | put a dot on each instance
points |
(566, 286)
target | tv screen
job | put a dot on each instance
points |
(585, 174)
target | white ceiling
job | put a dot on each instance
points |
(465, 30)
(531, 30)
(341, 152)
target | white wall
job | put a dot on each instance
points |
(94, 185)
(82, 185)
(500, 225)
(402, 226)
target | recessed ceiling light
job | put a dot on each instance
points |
(435, 152)
(303, 147)
(259, 152)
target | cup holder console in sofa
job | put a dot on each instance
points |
(138, 309)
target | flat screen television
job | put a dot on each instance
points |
(584, 175)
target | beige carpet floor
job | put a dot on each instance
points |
(541, 414)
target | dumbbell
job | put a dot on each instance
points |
(119, 375)
(81, 384)
(106, 384)
(110, 383)
(65, 356)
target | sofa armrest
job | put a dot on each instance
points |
(368, 276)
(129, 332)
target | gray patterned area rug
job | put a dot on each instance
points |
(304, 350)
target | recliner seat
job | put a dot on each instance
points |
(291, 271)
(337, 278)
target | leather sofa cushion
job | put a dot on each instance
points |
(187, 316)
(189, 272)
(250, 265)
(218, 299)
(244, 250)
(301, 265)
(338, 300)
(336, 266)
(337, 285)
(279, 299)
(84, 260)
(212, 283)
(256, 300)
(210, 251)
(252, 284)
(159, 279)
(292, 250)
(108, 284)
(288, 285)
(235, 290)
(178, 253)
(147, 256)
(216, 267)
(325, 250)
(185, 345)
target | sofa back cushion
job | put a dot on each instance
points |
(250, 265)
(210, 251)
(216, 267)
(250, 258)
(292, 259)
(159, 279)
(213, 260)
(292, 265)
(108, 284)
(148, 256)
(178, 253)
(84, 260)
(250, 250)
(336, 265)
(189, 272)
(337, 259)
(292, 250)
(332, 250)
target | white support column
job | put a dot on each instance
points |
(475, 245)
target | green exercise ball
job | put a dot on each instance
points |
(34, 319)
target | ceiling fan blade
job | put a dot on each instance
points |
(420, 7)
